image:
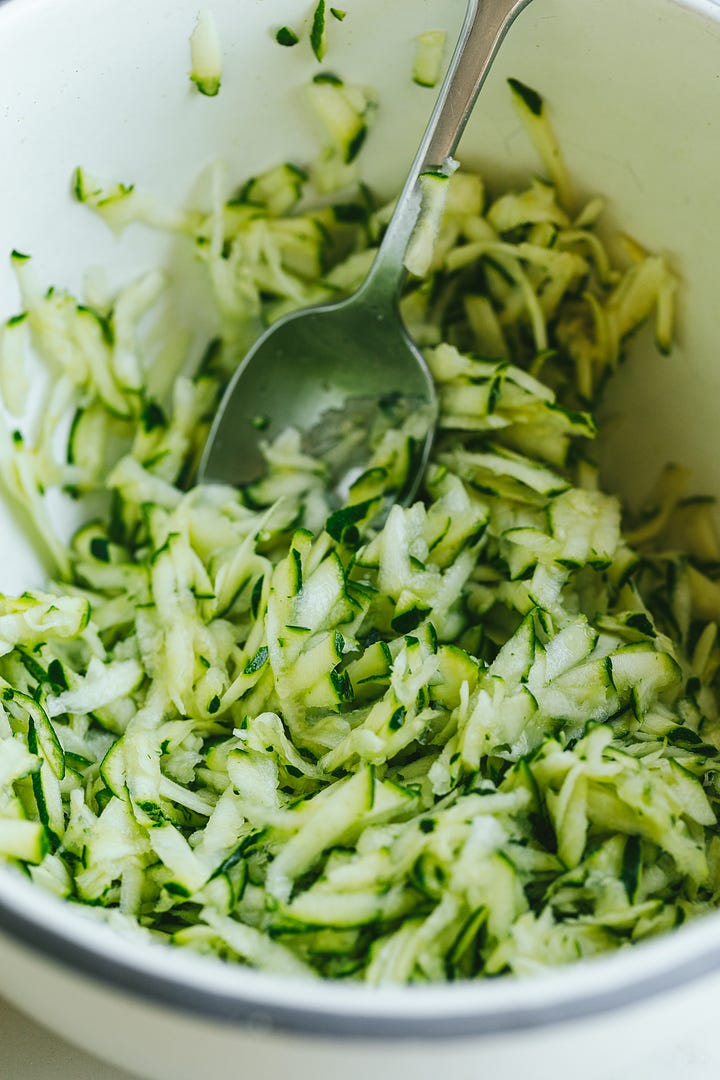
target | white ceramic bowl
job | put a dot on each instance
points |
(634, 88)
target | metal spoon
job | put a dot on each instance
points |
(354, 360)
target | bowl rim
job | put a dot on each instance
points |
(180, 980)
(156, 973)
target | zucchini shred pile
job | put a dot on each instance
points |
(474, 737)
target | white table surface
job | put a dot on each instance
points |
(29, 1052)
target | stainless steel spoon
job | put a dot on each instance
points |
(354, 359)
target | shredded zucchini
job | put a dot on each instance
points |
(345, 112)
(286, 36)
(476, 737)
(427, 65)
(318, 31)
(206, 55)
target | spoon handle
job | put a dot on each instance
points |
(484, 27)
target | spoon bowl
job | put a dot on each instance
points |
(339, 374)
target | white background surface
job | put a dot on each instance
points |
(29, 1052)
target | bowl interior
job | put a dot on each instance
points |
(634, 91)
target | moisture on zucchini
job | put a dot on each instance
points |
(477, 736)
